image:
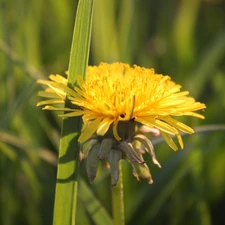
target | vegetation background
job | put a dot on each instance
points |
(185, 39)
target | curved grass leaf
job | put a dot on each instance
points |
(94, 208)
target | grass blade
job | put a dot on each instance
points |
(67, 177)
(93, 206)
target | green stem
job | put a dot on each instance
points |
(118, 201)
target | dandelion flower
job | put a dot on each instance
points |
(120, 106)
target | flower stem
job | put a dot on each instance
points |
(118, 201)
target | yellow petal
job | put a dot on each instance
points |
(51, 101)
(74, 113)
(104, 126)
(48, 107)
(197, 115)
(180, 141)
(88, 116)
(181, 126)
(58, 78)
(115, 133)
(89, 130)
(162, 126)
(47, 94)
(169, 141)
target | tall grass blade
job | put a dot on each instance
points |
(67, 177)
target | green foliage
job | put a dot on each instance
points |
(69, 152)
(184, 39)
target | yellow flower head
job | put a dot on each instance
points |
(115, 98)
(117, 92)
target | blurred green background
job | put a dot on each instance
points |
(182, 38)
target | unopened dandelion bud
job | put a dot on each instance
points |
(92, 162)
(113, 159)
(105, 148)
(129, 151)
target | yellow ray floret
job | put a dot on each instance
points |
(117, 92)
